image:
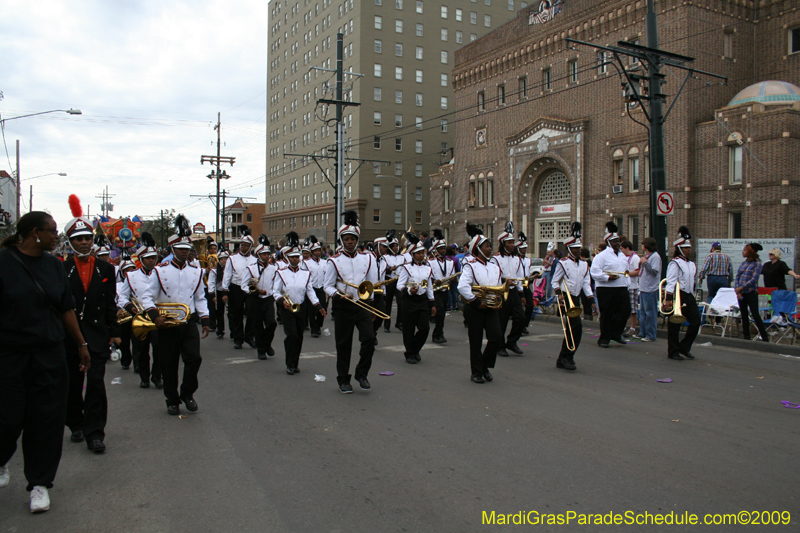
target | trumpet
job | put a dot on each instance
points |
(364, 305)
(295, 307)
(375, 286)
(422, 285)
(513, 281)
(619, 274)
(444, 283)
(123, 316)
(674, 316)
(177, 314)
(492, 296)
(571, 311)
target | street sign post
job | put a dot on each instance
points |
(665, 203)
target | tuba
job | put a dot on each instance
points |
(492, 296)
(123, 316)
(177, 314)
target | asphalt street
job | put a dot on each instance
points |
(428, 450)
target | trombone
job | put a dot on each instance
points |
(365, 288)
(673, 315)
(376, 286)
(295, 308)
(444, 283)
(572, 311)
(364, 305)
(619, 274)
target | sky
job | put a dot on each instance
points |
(149, 78)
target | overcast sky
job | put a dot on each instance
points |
(149, 77)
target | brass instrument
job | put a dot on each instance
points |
(123, 316)
(365, 288)
(619, 274)
(375, 286)
(492, 296)
(211, 263)
(572, 311)
(674, 316)
(252, 284)
(295, 307)
(423, 285)
(364, 305)
(177, 314)
(444, 283)
(525, 281)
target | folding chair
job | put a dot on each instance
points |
(725, 305)
(764, 302)
(784, 307)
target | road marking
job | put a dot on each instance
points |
(402, 348)
(315, 355)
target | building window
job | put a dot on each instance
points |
(398, 216)
(376, 142)
(618, 169)
(398, 192)
(602, 64)
(459, 15)
(418, 170)
(398, 120)
(398, 168)
(377, 3)
(443, 80)
(398, 144)
(647, 169)
(398, 4)
(419, 30)
(418, 76)
(376, 215)
(523, 87)
(398, 73)
(633, 231)
(419, 99)
(376, 94)
(472, 194)
(398, 26)
(444, 125)
(398, 49)
(501, 95)
(376, 118)
(249, 217)
(444, 57)
(490, 191)
(794, 40)
(378, 22)
(443, 102)
(481, 101)
(487, 21)
(734, 225)
(418, 123)
(418, 217)
(633, 168)
(419, 7)
(447, 198)
(511, 5)
(547, 79)
(444, 34)
(481, 186)
(376, 191)
(418, 146)
(444, 12)
(398, 97)
(473, 37)
(377, 70)
(459, 37)
(473, 17)
(735, 165)
(573, 71)
(727, 44)
(418, 53)
(378, 46)
(418, 194)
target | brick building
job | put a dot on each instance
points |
(543, 136)
(241, 212)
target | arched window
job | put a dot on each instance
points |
(618, 156)
(633, 169)
(446, 187)
(556, 188)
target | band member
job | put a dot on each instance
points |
(125, 266)
(682, 270)
(393, 262)
(215, 292)
(132, 288)
(527, 293)
(511, 268)
(416, 285)
(608, 271)
(258, 283)
(574, 273)
(480, 318)
(178, 282)
(352, 267)
(315, 264)
(93, 285)
(234, 296)
(293, 286)
(381, 261)
(441, 268)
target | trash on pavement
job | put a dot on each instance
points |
(387, 373)
(319, 378)
(790, 405)
(116, 381)
(705, 344)
(664, 380)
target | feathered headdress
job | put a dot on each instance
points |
(182, 227)
(509, 227)
(148, 245)
(522, 240)
(473, 230)
(244, 230)
(263, 240)
(506, 235)
(147, 239)
(477, 238)
(438, 235)
(100, 237)
(684, 238)
(575, 240)
(292, 239)
(75, 206)
(611, 231)
(79, 225)
(350, 224)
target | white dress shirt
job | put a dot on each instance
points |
(235, 270)
(317, 269)
(576, 276)
(173, 284)
(477, 273)
(413, 273)
(353, 268)
(442, 268)
(608, 261)
(214, 282)
(510, 267)
(134, 285)
(265, 275)
(295, 283)
(679, 270)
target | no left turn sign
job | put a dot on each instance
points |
(665, 203)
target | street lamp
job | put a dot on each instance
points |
(69, 111)
(405, 183)
(43, 175)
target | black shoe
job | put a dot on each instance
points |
(220, 335)
(417, 357)
(237, 345)
(289, 370)
(314, 334)
(125, 367)
(566, 364)
(487, 376)
(96, 446)
(515, 348)
(376, 341)
(675, 356)
(687, 355)
(190, 404)
(251, 342)
(603, 344)
(262, 356)
(363, 383)
(477, 378)
(144, 385)
(135, 369)
(387, 330)
(296, 370)
(173, 410)
(438, 340)
(620, 340)
(159, 383)
(502, 352)
(270, 351)
(399, 326)
(346, 388)
(411, 360)
(525, 331)
(77, 436)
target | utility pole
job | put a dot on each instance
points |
(19, 193)
(106, 207)
(217, 160)
(30, 203)
(655, 59)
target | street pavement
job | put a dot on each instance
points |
(428, 450)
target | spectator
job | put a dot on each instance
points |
(718, 269)
(547, 262)
(649, 277)
(775, 271)
(452, 300)
(633, 289)
(747, 290)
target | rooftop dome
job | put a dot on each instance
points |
(768, 93)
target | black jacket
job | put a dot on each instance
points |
(97, 310)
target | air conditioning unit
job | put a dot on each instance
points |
(616, 189)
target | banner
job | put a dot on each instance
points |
(733, 249)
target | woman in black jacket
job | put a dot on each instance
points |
(36, 307)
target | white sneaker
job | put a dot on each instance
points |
(40, 499)
(5, 478)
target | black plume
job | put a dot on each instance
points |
(182, 228)
(370, 247)
(147, 239)
(263, 240)
(100, 238)
(473, 230)
(522, 237)
(391, 235)
(509, 227)
(576, 229)
(611, 227)
(312, 239)
(683, 231)
(292, 239)
(209, 240)
(307, 242)
(438, 235)
(244, 230)
(126, 255)
(411, 238)
(351, 218)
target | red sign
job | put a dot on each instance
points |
(665, 203)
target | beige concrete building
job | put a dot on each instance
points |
(405, 49)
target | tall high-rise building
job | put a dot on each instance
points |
(405, 50)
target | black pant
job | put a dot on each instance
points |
(478, 321)
(615, 310)
(400, 296)
(174, 344)
(348, 316)
(692, 314)
(218, 311)
(526, 292)
(87, 411)
(748, 303)
(379, 303)
(315, 318)
(237, 299)
(390, 289)
(512, 308)
(416, 323)
(293, 328)
(125, 336)
(141, 354)
(264, 319)
(576, 326)
(33, 396)
(440, 299)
